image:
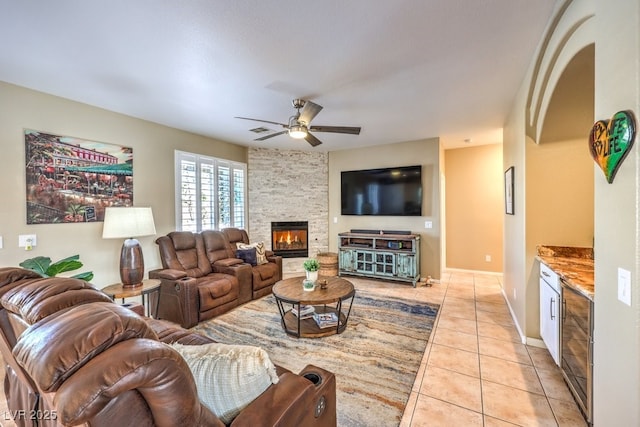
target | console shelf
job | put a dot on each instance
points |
(386, 256)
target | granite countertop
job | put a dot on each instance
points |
(573, 265)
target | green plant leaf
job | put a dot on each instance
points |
(311, 265)
(86, 276)
(42, 265)
(38, 264)
(70, 258)
(68, 264)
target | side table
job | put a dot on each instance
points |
(149, 286)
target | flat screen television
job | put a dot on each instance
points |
(388, 191)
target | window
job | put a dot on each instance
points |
(210, 192)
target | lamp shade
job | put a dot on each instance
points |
(127, 223)
(120, 223)
(297, 131)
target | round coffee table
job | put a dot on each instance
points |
(290, 296)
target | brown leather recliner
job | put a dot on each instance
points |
(74, 357)
(191, 289)
(264, 276)
(223, 260)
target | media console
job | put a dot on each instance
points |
(391, 256)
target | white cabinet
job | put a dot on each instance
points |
(550, 311)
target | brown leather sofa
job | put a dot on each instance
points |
(74, 357)
(201, 277)
(264, 276)
(192, 289)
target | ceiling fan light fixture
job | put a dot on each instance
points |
(297, 131)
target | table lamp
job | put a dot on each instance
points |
(128, 223)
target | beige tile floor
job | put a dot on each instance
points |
(475, 370)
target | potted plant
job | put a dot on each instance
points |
(311, 266)
(43, 266)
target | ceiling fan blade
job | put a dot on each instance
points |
(312, 140)
(271, 135)
(336, 129)
(263, 121)
(309, 111)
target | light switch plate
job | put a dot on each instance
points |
(624, 286)
(1, 243)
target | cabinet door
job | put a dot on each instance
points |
(385, 264)
(346, 260)
(549, 319)
(365, 261)
(406, 265)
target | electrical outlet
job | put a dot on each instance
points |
(428, 224)
(487, 258)
(335, 219)
(1, 243)
(624, 286)
(27, 241)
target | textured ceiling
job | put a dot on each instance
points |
(402, 70)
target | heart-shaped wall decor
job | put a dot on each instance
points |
(611, 140)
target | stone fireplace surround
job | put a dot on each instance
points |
(288, 185)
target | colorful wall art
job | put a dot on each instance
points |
(611, 140)
(74, 180)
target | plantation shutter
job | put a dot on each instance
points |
(187, 194)
(210, 193)
(238, 197)
(224, 196)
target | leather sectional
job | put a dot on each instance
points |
(74, 357)
(202, 278)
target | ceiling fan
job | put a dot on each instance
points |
(299, 124)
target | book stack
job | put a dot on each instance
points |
(306, 311)
(326, 320)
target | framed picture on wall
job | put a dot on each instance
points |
(73, 180)
(508, 191)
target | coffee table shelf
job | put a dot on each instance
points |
(290, 296)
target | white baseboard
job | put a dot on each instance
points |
(535, 342)
(462, 270)
(523, 338)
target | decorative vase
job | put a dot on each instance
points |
(312, 275)
(308, 285)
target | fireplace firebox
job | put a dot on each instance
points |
(290, 239)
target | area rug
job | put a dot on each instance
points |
(375, 360)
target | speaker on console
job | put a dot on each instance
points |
(404, 232)
(362, 231)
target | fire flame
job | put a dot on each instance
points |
(295, 239)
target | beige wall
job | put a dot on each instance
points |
(559, 179)
(616, 205)
(559, 205)
(617, 221)
(514, 254)
(423, 152)
(153, 149)
(570, 31)
(474, 207)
